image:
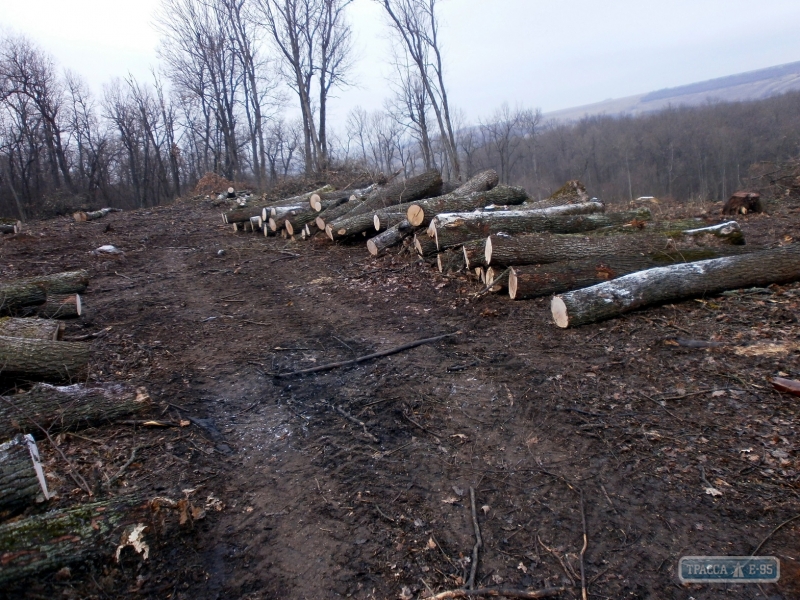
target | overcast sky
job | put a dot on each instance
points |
(529, 53)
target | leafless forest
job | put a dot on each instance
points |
(231, 71)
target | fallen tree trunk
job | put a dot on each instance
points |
(68, 408)
(324, 200)
(422, 186)
(329, 215)
(42, 359)
(38, 329)
(541, 248)
(62, 538)
(60, 307)
(21, 478)
(676, 282)
(422, 211)
(82, 216)
(392, 236)
(453, 229)
(475, 254)
(241, 215)
(10, 225)
(533, 281)
(67, 282)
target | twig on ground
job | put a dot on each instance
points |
(773, 532)
(125, 466)
(584, 592)
(508, 593)
(360, 359)
(361, 424)
(567, 572)
(478, 541)
(668, 411)
(428, 431)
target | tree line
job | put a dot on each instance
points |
(229, 69)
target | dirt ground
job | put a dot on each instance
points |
(612, 422)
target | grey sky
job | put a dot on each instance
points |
(551, 55)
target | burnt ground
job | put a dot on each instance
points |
(530, 416)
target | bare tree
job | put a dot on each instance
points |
(416, 23)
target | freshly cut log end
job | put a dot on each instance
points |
(415, 215)
(61, 307)
(557, 307)
(512, 283)
(289, 228)
(329, 231)
(373, 249)
(273, 225)
(315, 202)
(320, 223)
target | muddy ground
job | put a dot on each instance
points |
(611, 421)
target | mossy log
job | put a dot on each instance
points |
(391, 237)
(61, 307)
(426, 185)
(676, 282)
(10, 225)
(42, 359)
(453, 229)
(422, 211)
(20, 484)
(533, 281)
(39, 329)
(475, 254)
(540, 248)
(82, 216)
(71, 407)
(61, 538)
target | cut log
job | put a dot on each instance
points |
(10, 225)
(533, 281)
(67, 282)
(241, 215)
(22, 480)
(42, 359)
(541, 248)
(383, 220)
(453, 229)
(450, 261)
(16, 295)
(60, 307)
(72, 407)
(392, 236)
(325, 200)
(38, 329)
(424, 245)
(60, 538)
(422, 211)
(475, 254)
(676, 282)
(82, 216)
(415, 188)
(497, 280)
(350, 226)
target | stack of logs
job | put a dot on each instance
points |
(557, 246)
(33, 351)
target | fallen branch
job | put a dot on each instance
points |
(478, 541)
(351, 418)
(361, 359)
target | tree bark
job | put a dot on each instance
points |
(330, 215)
(38, 329)
(390, 237)
(676, 282)
(61, 538)
(67, 282)
(422, 186)
(72, 407)
(422, 211)
(323, 200)
(42, 359)
(546, 279)
(60, 307)
(541, 248)
(424, 245)
(475, 254)
(453, 229)
(383, 220)
(241, 215)
(10, 225)
(82, 216)
(20, 485)
(353, 225)
(17, 295)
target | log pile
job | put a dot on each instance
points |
(32, 350)
(513, 244)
